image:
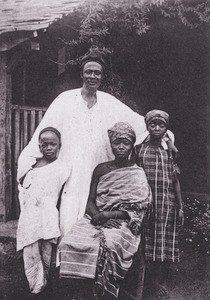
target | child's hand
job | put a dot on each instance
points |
(181, 217)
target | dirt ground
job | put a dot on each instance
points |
(189, 279)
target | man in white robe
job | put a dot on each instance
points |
(83, 117)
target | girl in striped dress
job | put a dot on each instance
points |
(161, 236)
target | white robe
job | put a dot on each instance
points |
(38, 197)
(84, 144)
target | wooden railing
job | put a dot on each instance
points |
(24, 121)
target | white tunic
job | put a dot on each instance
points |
(85, 144)
(38, 197)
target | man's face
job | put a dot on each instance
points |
(49, 145)
(92, 75)
(157, 129)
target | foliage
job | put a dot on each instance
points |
(96, 22)
(196, 230)
(99, 17)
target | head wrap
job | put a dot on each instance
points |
(122, 130)
(50, 129)
(157, 115)
(94, 54)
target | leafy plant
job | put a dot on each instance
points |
(99, 17)
(98, 22)
(196, 230)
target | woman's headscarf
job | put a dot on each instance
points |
(122, 130)
(157, 114)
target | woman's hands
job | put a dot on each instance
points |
(100, 218)
(106, 218)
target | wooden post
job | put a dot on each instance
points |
(5, 139)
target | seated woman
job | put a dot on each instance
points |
(101, 245)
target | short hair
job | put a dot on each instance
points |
(50, 129)
(95, 55)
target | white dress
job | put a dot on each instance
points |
(38, 196)
(85, 144)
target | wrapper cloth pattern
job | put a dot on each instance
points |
(101, 253)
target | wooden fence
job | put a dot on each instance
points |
(24, 121)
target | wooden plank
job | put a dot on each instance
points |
(29, 108)
(39, 116)
(17, 135)
(5, 139)
(8, 183)
(16, 155)
(33, 120)
(21, 130)
(25, 126)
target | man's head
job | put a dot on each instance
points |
(122, 138)
(49, 143)
(92, 68)
(157, 122)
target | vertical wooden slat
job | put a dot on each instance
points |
(17, 135)
(5, 138)
(39, 116)
(17, 150)
(33, 116)
(25, 126)
(21, 130)
(8, 117)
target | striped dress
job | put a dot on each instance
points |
(106, 254)
(161, 236)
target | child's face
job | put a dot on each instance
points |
(49, 145)
(121, 148)
(157, 129)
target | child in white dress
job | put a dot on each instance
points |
(38, 226)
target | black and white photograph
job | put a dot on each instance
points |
(104, 149)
